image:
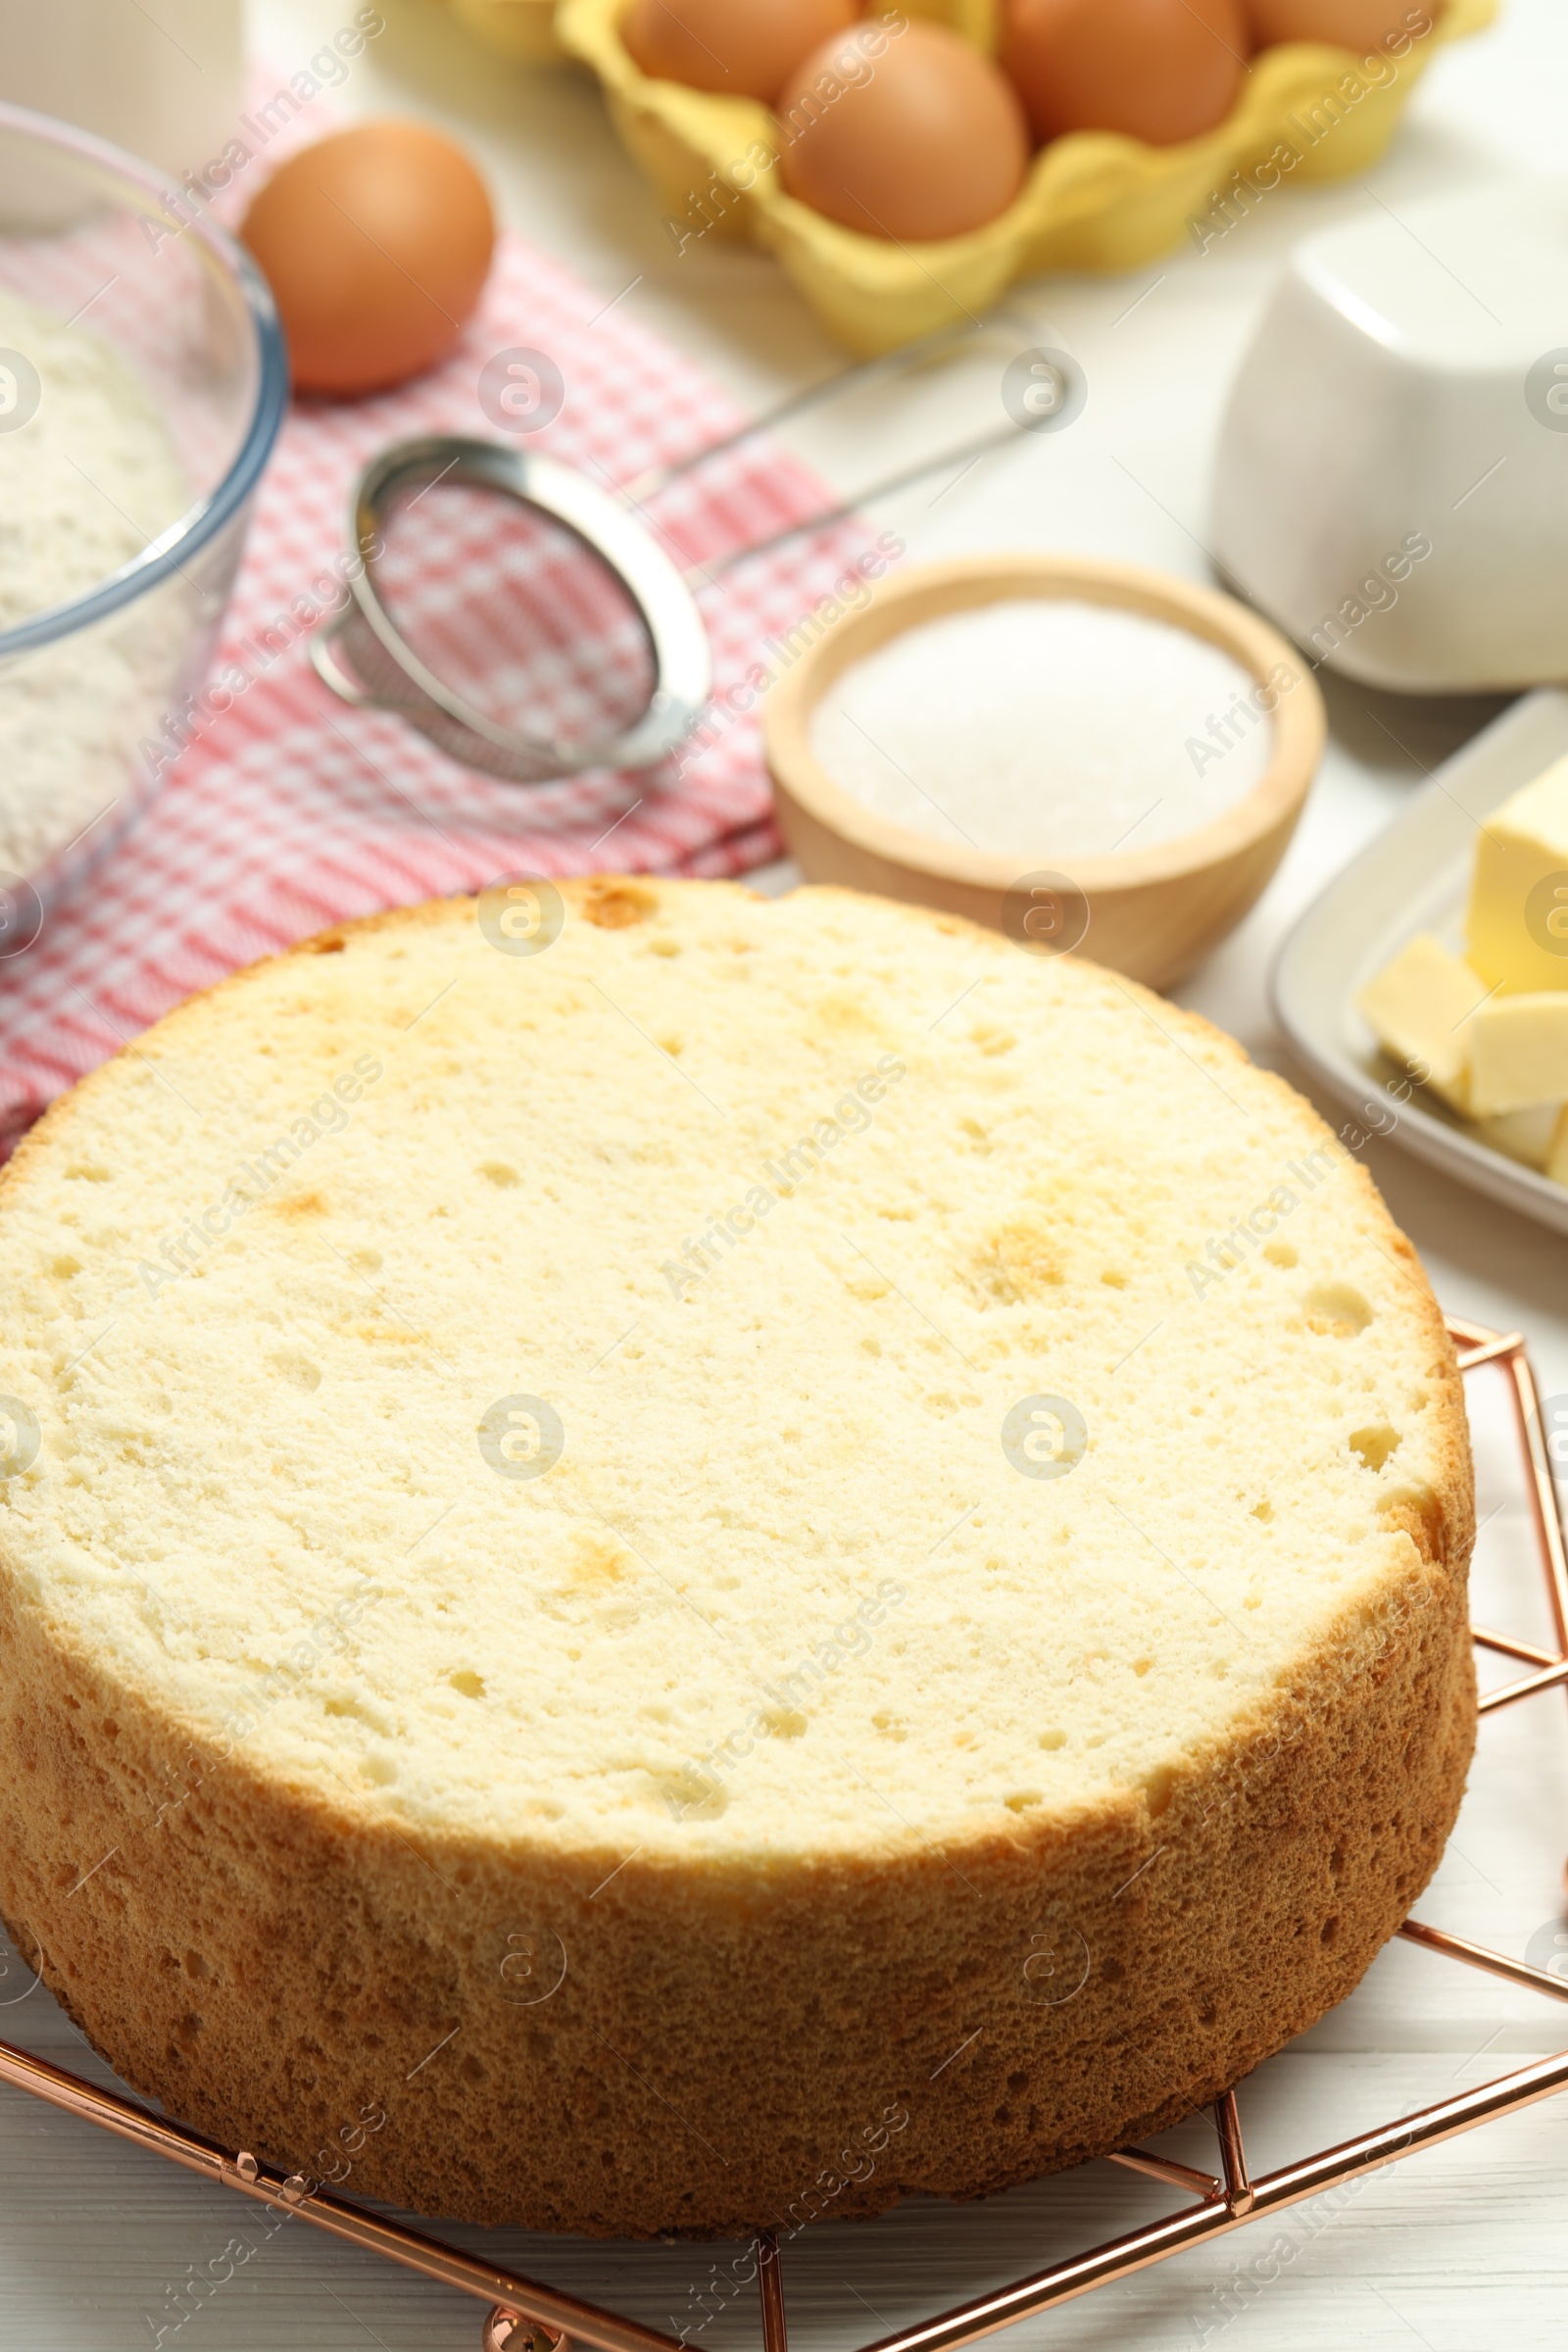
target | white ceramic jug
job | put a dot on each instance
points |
(1392, 484)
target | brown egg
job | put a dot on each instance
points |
(377, 243)
(741, 48)
(903, 130)
(1154, 69)
(1348, 24)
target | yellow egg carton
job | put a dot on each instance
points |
(1093, 200)
(522, 29)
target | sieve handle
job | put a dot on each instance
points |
(347, 689)
(902, 361)
(967, 454)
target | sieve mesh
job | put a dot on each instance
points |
(512, 611)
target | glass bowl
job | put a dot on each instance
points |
(143, 381)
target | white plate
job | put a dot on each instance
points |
(1416, 877)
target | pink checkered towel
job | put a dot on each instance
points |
(292, 810)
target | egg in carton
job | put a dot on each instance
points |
(1093, 200)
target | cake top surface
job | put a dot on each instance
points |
(645, 1366)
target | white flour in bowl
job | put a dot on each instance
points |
(1046, 725)
(85, 482)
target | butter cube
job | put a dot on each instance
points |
(1517, 928)
(1530, 1136)
(1518, 1053)
(1418, 1009)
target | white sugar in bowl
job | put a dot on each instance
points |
(1078, 753)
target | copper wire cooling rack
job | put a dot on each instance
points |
(524, 2316)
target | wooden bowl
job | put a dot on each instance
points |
(1151, 913)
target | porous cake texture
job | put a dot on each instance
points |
(670, 1562)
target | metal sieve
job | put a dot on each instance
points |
(392, 669)
(528, 620)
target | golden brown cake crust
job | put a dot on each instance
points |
(733, 2049)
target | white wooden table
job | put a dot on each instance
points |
(1463, 2250)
